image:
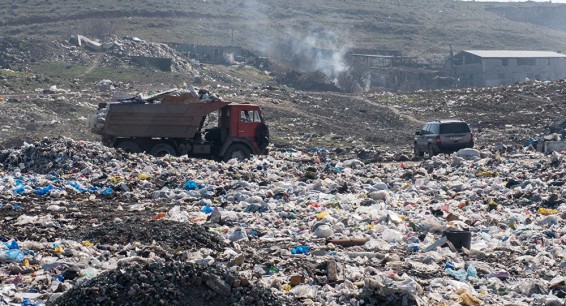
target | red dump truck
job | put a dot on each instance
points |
(177, 129)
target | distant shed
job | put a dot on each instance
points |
(501, 67)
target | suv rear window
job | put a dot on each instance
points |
(455, 127)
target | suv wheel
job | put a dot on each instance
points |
(417, 152)
(430, 151)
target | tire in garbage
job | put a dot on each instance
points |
(237, 151)
(129, 146)
(162, 149)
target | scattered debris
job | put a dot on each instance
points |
(83, 219)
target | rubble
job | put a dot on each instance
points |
(128, 228)
(165, 283)
(81, 40)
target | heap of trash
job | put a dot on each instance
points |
(83, 223)
(128, 48)
(171, 96)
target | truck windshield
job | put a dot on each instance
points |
(250, 116)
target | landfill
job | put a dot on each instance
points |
(85, 224)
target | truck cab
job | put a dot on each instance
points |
(242, 131)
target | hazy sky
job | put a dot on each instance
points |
(553, 1)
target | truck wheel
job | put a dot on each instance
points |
(237, 151)
(430, 151)
(129, 146)
(162, 149)
(417, 152)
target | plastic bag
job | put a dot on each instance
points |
(43, 190)
(77, 186)
(390, 235)
(107, 191)
(28, 302)
(12, 255)
(20, 188)
(191, 185)
(238, 234)
(13, 245)
(546, 212)
(304, 291)
(471, 271)
(301, 249)
(207, 209)
(460, 275)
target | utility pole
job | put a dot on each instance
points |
(232, 41)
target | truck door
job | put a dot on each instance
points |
(249, 121)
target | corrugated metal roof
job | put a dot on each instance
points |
(513, 53)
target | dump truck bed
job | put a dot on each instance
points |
(157, 120)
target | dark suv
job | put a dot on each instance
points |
(443, 136)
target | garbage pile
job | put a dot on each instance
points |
(172, 96)
(82, 222)
(128, 46)
(17, 52)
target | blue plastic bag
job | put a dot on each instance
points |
(472, 272)
(14, 255)
(107, 191)
(301, 249)
(460, 275)
(20, 188)
(93, 189)
(77, 186)
(13, 245)
(28, 302)
(190, 185)
(329, 167)
(207, 209)
(43, 190)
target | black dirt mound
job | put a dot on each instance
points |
(171, 283)
(170, 235)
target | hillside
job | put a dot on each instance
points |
(422, 29)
